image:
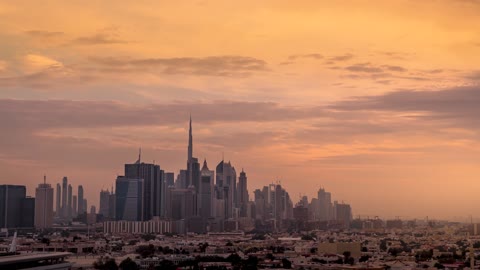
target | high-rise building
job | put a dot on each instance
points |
(74, 206)
(225, 187)
(69, 202)
(324, 205)
(129, 199)
(193, 166)
(111, 204)
(242, 196)
(169, 179)
(181, 203)
(205, 193)
(28, 213)
(11, 198)
(343, 213)
(153, 186)
(58, 201)
(81, 204)
(44, 206)
(64, 197)
(104, 203)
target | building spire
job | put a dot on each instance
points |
(190, 140)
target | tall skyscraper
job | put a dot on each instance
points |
(81, 204)
(104, 203)
(205, 194)
(58, 201)
(193, 167)
(11, 199)
(43, 206)
(64, 197)
(153, 186)
(324, 205)
(69, 202)
(74, 206)
(242, 194)
(225, 187)
(28, 213)
(129, 199)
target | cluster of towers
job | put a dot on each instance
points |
(69, 206)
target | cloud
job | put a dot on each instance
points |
(310, 55)
(67, 113)
(207, 66)
(453, 107)
(364, 67)
(340, 58)
(35, 63)
(44, 34)
(98, 39)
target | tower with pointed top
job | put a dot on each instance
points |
(205, 194)
(242, 193)
(193, 166)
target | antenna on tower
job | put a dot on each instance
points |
(139, 154)
(44, 178)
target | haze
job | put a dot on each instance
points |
(376, 101)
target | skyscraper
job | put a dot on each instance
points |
(242, 194)
(11, 199)
(169, 179)
(69, 202)
(324, 205)
(64, 197)
(225, 187)
(81, 204)
(58, 208)
(193, 167)
(43, 206)
(205, 194)
(74, 206)
(129, 198)
(343, 213)
(104, 203)
(153, 186)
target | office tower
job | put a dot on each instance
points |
(153, 186)
(44, 206)
(181, 181)
(104, 203)
(226, 178)
(69, 202)
(28, 213)
(242, 194)
(93, 209)
(81, 203)
(343, 213)
(193, 167)
(324, 205)
(64, 197)
(181, 203)
(205, 194)
(11, 197)
(74, 206)
(85, 206)
(259, 200)
(111, 204)
(128, 199)
(58, 201)
(169, 179)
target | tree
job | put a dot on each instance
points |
(286, 263)
(105, 264)
(166, 265)
(128, 264)
(147, 237)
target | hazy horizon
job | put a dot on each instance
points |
(375, 101)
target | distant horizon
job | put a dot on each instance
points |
(376, 101)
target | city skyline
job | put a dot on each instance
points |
(375, 101)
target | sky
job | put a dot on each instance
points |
(375, 101)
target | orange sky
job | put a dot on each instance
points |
(377, 101)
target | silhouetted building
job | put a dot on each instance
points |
(64, 197)
(153, 186)
(129, 199)
(81, 201)
(28, 213)
(225, 187)
(11, 198)
(169, 179)
(58, 201)
(205, 194)
(69, 202)
(74, 206)
(44, 206)
(242, 194)
(181, 203)
(104, 209)
(343, 213)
